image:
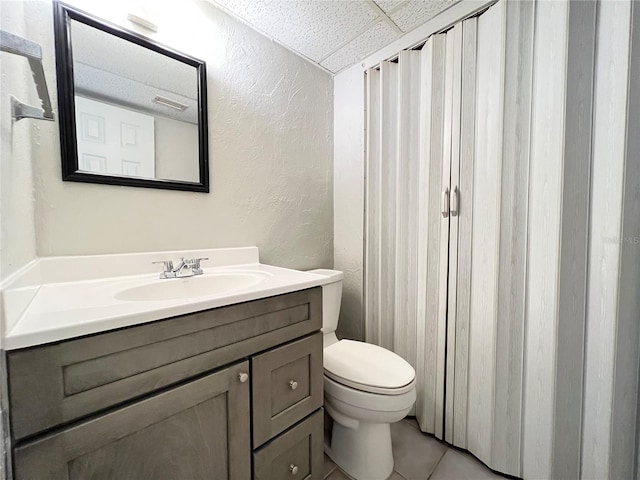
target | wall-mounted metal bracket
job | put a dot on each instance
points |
(11, 43)
(20, 110)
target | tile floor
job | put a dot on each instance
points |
(419, 456)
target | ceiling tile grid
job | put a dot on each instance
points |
(334, 33)
(388, 5)
(312, 28)
(372, 39)
(415, 13)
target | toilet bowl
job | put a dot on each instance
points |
(366, 389)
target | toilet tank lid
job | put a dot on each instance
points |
(332, 275)
(367, 364)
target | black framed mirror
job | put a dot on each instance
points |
(132, 112)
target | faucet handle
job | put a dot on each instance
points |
(196, 261)
(194, 264)
(168, 266)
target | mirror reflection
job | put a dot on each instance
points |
(132, 112)
(137, 119)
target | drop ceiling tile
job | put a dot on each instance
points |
(313, 28)
(371, 40)
(417, 12)
(388, 5)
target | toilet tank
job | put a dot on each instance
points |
(331, 297)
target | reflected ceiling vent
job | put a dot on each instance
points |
(167, 102)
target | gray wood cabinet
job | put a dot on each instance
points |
(296, 454)
(171, 399)
(199, 430)
(55, 384)
(287, 386)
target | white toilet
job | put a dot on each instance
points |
(366, 388)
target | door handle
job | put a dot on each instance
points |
(444, 207)
(455, 202)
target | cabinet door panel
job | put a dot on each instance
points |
(196, 431)
(185, 451)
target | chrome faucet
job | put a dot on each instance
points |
(193, 264)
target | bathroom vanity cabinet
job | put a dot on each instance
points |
(229, 393)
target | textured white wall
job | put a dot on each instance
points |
(270, 137)
(17, 233)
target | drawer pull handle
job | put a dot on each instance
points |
(294, 469)
(243, 377)
(293, 384)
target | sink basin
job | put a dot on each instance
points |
(206, 285)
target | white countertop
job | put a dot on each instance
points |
(66, 309)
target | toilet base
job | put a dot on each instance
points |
(363, 452)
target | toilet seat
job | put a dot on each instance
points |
(368, 367)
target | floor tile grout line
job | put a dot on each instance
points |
(329, 473)
(438, 464)
(343, 472)
(348, 476)
(336, 471)
(400, 475)
(331, 470)
(417, 427)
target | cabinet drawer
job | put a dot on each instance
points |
(199, 430)
(53, 384)
(296, 454)
(287, 386)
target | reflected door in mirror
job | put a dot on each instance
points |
(132, 112)
(114, 140)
